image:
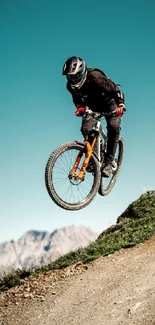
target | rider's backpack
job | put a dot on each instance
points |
(120, 94)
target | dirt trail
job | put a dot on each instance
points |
(117, 289)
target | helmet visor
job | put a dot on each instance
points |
(75, 78)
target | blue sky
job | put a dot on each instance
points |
(37, 114)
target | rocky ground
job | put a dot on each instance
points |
(113, 290)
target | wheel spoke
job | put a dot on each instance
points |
(64, 163)
(61, 168)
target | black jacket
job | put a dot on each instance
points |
(98, 92)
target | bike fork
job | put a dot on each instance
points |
(89, 149)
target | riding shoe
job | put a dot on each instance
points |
(107, 170)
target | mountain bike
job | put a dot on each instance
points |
(73, 173)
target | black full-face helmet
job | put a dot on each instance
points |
(75, 70)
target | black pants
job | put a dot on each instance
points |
(113, 132)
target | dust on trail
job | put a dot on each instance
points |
(114, 290)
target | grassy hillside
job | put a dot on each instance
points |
(136, 224)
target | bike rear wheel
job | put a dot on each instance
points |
(106, 184)
(71, 194)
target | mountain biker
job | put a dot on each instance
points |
(90, 88)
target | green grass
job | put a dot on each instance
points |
(135, 225)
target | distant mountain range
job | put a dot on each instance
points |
(35, 248)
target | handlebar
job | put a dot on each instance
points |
(97, 114)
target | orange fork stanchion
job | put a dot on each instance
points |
(89, 149)
(74, 169)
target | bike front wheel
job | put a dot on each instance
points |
(71, 193)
